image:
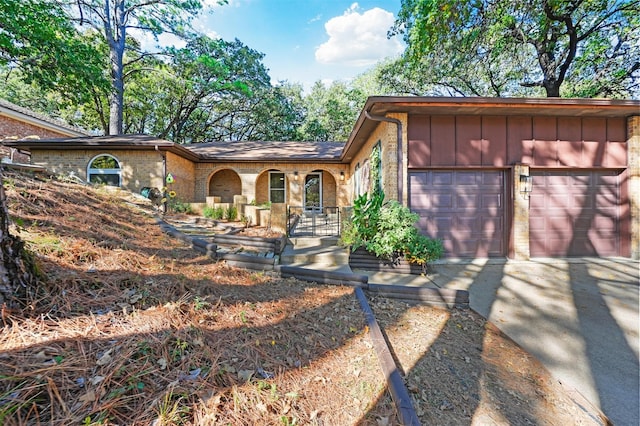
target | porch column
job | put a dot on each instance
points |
(520, 214)
(633, 149)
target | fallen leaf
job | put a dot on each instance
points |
(245, 375)
(105, 358)
(90, 396)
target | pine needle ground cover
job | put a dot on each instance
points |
(131, 327)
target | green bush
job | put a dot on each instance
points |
(178, 206)
(207, 212)
(388, 230)
(215, 213)
(231, 213)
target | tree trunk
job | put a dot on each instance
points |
(17, 277)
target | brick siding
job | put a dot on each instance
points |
(633, 156)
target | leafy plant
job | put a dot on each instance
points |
(388, 230)
(215, 213)
(364, 220)
(231, 213)
(178, 206)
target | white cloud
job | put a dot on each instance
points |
(358, 39)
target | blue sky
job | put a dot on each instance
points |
(308, 40)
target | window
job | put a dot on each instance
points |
(276, 187)
(104, 169)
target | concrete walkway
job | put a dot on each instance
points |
(579, 317)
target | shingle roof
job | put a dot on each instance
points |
(267, 151)
(6, 106)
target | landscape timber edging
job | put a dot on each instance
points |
(441, 297)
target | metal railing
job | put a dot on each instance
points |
(320, 222)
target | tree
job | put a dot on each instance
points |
(114, 19)
(331, 111)
(541, 43)
(209, 90)
(17, 270)
(38, 38)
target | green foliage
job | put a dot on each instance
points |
(388, 230)
(331, 111)
(231, 213)
(364, 219)
(507, 48)
(177, 206)
(215, 213)
(39, 38)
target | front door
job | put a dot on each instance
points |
(313, 192)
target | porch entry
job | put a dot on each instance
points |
(313, 222)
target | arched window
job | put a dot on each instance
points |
(104, 169)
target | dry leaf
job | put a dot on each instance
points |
(90, 396)
(105, 358)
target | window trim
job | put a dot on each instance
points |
(113, 171)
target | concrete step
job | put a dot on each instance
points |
(307, 242)
(317, 250)
(327, 258)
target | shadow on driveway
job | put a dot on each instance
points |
(579, 317)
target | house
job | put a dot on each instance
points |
(17, 122)
(491, 177)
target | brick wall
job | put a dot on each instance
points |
(139, 168)
(15, 129)
(386, 134)
(225, 184)
(633, 155)
(254, 179)
(520, 228)
(11, 128)
(183, 172)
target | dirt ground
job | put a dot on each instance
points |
(128, 326)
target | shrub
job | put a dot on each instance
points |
(215, 213)
(218, 213)
(231, 213)
(388, 230)
(207, 212)
(178, 206)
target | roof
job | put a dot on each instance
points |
(338, 152)
(268, 151)
(208, 152)
(23, 114)
(382, 105)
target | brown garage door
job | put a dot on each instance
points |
(575, 213)
(466, 209)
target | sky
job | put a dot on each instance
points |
(308, 40)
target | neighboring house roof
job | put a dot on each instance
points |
(19, 113)
(268, 151)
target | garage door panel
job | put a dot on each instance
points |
(442, 178)
(467, 201)
(463, 208)
(575, 213)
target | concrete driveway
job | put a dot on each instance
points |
(578, 316)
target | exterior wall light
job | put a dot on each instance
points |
(526, 184)
(341, 175)
(295, 175)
